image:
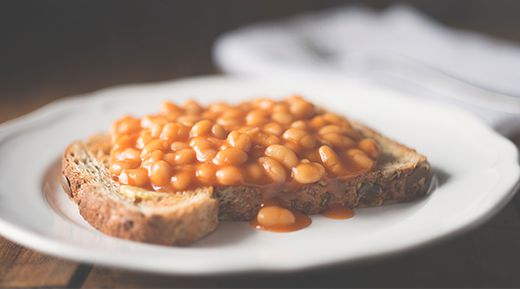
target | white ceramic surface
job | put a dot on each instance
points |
(477, 171)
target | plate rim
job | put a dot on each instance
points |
(65, 250)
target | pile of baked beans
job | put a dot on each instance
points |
(260, 142)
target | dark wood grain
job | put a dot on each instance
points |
(21, 267)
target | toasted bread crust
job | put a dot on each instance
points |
(178, 220)
(401, 174)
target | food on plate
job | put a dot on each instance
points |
(170, 177)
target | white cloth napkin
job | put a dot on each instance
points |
(398, 47)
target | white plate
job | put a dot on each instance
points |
(476, 167)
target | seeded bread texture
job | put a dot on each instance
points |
(401, 174)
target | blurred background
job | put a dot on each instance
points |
(52, 49)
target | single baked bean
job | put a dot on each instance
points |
(331, 160)
(273, 169)
(256, 117)
(178, 145)
(206, 173)
(218, 131)
(137, 177)
(308, 173)
(188, 119)
(254, 172)
(331, 128)
(301, 108)
(273, 128)
(169, 107)
(370, 147)
(282, 117)
(160, 173)
(117, 167)
(337, 140)
(192, 107)
(229, 175)
(143, 139)
(205, 154)
(332, 118)
(264, 103)
(201, 128)
(174, 132)
(129, 154)
(156, 129)
(127, 125)
(299, 124)
(230, 156)
(185, 156)
(239, 140)
(317, 122)
(282, 154)
(272, 216)
(201, 143)
(152, 146)
(123, 142)
(294, 134)
(181, 180)
(360, 158)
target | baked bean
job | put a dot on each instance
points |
(282, 154)
(174, 132)
(218, 131)
(205, 154)
(299, 136)
(281, 107)
(370, 147)
(332, 118)
(337, 140)
(192, 107)
(282, 117)
(264, 103)
(256, 117)
(201, 128)
(317, 122)
(123, 142)
(177, 145)
(143, 139)
(299, 124)
(117, 167)
(239, 140)
(160, 173)
(230, 156)
(129, 154)
(254, 172)
(331, 128)
(293, 146)
(185, 156)
(152, 146)
(127, 125)
(273, 128)
(331, 160)
(168, 107)
(273, 169)
(229, 175)
(156, 129)
(137, 177)
(308, 173)
(219, 107)
(273, 216)
(360, 158)
(301, 108)
(188, 119)
(201, 143)
(181, 180)
(206, 173)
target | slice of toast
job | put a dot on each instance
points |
(161, 218)
(401, 174)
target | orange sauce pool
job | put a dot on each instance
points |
(339, 213)
(300, 220)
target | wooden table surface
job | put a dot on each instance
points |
(120, 47)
